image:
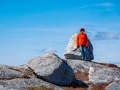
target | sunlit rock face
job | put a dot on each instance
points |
(71, 53)
(52, 68)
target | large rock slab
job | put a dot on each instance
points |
(96, 73)
(71, 53)
(114, 86)
(6, 88)
(23, 84)
(82, 66)
(99, 75)
(53, 69)
(7, 72)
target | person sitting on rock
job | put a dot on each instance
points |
(82, 43)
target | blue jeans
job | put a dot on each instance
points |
(83, 50)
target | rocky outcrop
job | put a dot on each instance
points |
(71, 53)
(11, 78)
(53, 72)
(6, 88)
(99, 75)
(23, 84)
(53, 69)
(6, 72)
(114, 86)
(82, 66)
(95, 73)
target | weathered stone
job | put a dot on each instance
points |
(99, 75)
(53, 69)
(6, 72)
(6, 88)
(23, 84)
(82, 66)
(114, 86)
(71, 53)
(25, 71)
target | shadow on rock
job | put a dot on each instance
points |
(63, 75)
(68, 75)
(78, 83)
(55, 70)
(72, 56)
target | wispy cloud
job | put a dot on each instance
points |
(105, 36)
(104, 4)
(107, 4)
(46, 50)
(102, 31)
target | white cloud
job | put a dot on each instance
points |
(105, 36)
(104, 4)
(103, 31)
(107, 4)
(48, 50)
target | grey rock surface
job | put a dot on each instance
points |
(82, 66)
(7, 72)
(114, 86)
(71, 53)
(6, 88)
(23, 84)
(53, 69)
(57, 71)
(99, 75)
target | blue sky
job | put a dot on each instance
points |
(30, 28)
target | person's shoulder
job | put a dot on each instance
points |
(85, 34)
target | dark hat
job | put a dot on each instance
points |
(82, 29)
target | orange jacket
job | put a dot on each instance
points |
(82, 39)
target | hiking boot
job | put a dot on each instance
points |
(81, 58)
